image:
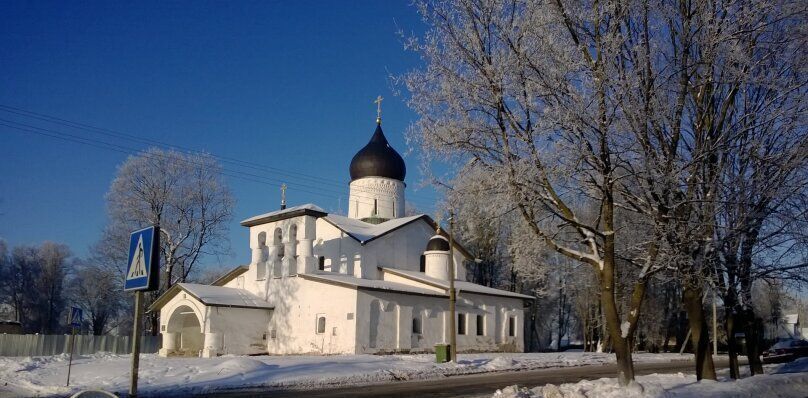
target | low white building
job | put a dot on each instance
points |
(319, 283)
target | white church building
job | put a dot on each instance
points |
(373, 281)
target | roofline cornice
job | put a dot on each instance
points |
(283, 216)
(377, 289)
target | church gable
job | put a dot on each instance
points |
(232, 274)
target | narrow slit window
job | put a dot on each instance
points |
(461, 324)
(511, 326)
(480, 325)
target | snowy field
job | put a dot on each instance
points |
(46, 376)
(782, 381)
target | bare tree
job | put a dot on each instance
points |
(185, 194)
(764, 186)
(97, 290)
(51, 284)
(32, 281)
(19, 274)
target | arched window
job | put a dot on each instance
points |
(416, 325)
(277, 245)
(261, 270)
(293, 240)
(320, 324)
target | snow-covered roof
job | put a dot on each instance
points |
(359, 230)
(792, 318)
(365, 232)
(460, 286)
(214, 296)
(305, 209)
(373, 284)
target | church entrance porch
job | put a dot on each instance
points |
(183, 335)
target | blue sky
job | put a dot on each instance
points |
(288, 85)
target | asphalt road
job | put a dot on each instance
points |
(472, 385)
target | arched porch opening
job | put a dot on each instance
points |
(183, 335)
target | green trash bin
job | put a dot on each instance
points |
(443, 353)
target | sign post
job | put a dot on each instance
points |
(74, 321)
(452, 292)
(142, 274)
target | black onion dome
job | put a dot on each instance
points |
(438, 242)
(378, 159)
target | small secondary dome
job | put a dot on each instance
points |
(438, 243)
(378, 159)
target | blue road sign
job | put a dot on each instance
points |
(75, 317)
(143, 270)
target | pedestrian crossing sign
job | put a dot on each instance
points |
(75, 317)
(142, 271)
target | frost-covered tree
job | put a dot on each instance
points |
(628, 108)
(185, 194)
(523, 90)
(703, 89)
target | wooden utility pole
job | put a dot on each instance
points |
(452, 296)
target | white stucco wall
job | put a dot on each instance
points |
(221, 330)
(401, 248)
(238, 331)
(315, 237)
(287, 250)
(380, 311)
(298, 303)
(339, 249)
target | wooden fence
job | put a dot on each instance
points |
(17, 345)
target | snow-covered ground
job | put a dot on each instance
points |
(783, 381)
(43, 376)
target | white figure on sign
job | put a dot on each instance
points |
(137, 268)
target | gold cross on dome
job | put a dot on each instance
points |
(283, 194)
(378, 103)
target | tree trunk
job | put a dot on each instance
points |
(732, 347)
(534, 332)
(622, 348)
(705, 369)
(753, 327)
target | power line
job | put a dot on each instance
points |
(223, 159)
(135, 151)
(132, 151)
